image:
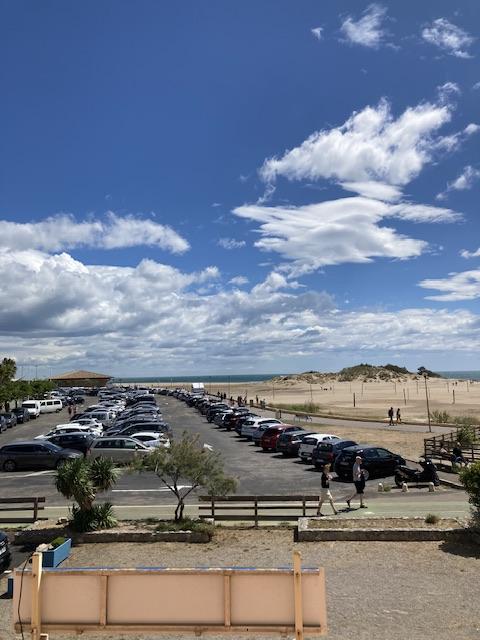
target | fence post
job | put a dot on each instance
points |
(35, 509)
(297, 590)
(227, 603)
(212, 508)
(36, 615)
(304, 507)
(256, 512)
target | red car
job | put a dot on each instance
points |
(272, 434)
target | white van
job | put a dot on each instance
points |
(33, 407)
(51, 405)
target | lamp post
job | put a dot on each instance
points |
(428, 405)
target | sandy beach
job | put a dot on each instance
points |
(372, 399)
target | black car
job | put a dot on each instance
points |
(10, 419)
(34, 455)
(4, 551)
(22, 414)
(77, 441)
(377, 461)
(289, 443)
(78, 399)
(327, 452)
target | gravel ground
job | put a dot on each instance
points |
(375, 591)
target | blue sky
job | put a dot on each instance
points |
(239, 186)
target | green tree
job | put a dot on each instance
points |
(470, 478)
(81, 479)
(8, 369)
(185, 462)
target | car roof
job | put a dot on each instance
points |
(323, 435)
(361, 447)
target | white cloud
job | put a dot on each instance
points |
(375, 190)
(339, 231)
(447, 90)
(317, 32)
(470, 254)
(371, 146)
(448, 37)
(464, 181)
(368, 31)
(55, 310)
(62, 231)
(230, 243)
(476, 85)
(471, 128)
(238, 281)
(457, 286)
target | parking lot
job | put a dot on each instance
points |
(257, 472)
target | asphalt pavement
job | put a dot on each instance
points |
(257, 473)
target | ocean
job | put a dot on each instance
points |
(259, 377)
(220, 378)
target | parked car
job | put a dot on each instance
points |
(270, 436)
(4, 551)
(33, 407)
(309, 444)
(250, 425)
(72, 427)
(152, 439)
(118, 449)
(288, 444)
(22, 414)
(50, 405)
(78, 399)
(10, 419)
(327, 452)
(34, 455)
(76, 440)
(377, 461)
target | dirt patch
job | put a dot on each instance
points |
(381, 523)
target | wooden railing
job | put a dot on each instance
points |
(20, 505)
(435, 446)
(252, 508)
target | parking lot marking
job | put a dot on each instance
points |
(28, 475)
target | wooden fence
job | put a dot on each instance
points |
(18, 505)
(252, 508)
(446, 441)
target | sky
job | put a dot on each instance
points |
(248, 186)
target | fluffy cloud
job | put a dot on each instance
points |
(339, 231)
(368, 31)
(238, 281)
(317, 32)
(470, 254)
(230, 243)
(62, 231)
(60, 312)
(457, 286)
(448, 37)
(371, 146)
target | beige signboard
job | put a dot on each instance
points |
(170, 600)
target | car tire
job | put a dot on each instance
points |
(9, 465)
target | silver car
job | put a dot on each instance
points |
(118, 448)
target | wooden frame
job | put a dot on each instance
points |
(311, 580)
(34, 508)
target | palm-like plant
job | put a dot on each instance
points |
(81, 479)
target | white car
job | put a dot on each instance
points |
(250, 426)
(71, 427)
(310, 442)
(152, 439)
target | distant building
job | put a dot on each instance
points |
(81, 379)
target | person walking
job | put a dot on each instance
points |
(325, 491)
(390, 416)
(359, 479)
(399, 416)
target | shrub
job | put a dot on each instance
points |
(57, 542)
(470, 478)
(432, 518)
(441, 416)
(466, 435)
(306, 407)
(187, 524)
(100, 516)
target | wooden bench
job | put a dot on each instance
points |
(19, 505)
(303, 416)
(251, 508)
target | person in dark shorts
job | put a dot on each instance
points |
(359, 478)
(390, 416)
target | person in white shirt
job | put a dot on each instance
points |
(359, 478)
